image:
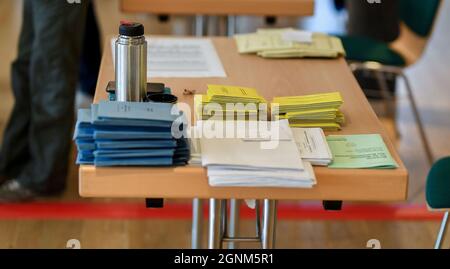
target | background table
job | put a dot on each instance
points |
(221, 7)
(271, 78)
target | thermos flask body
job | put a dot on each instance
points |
(131, 68)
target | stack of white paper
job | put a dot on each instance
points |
(255, 163)
(220, 176)
(313, 146)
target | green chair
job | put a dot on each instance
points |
(364, 53)
(438, 194)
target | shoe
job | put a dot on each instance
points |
(3, 179)
(12, 191)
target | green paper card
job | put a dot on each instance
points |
(359, 152)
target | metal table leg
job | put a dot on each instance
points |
(269, 224)
(199, 25)
(215, 233)
(231, 25)
(197, 223)
(234, 221)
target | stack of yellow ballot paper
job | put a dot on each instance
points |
(310, 111)
(230, 102)
(289, 43)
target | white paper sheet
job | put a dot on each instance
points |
(181, 57)
(246, 130)
(313, 146)
(297, 36)
(238, 153)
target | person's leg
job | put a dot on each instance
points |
(58, 28)
(91, 54)
(14, 153)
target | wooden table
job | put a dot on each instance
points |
(271, 78)
(221, 7)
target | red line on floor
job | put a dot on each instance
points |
(84, 210)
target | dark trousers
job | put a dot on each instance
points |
(37, 139)
(91, 54)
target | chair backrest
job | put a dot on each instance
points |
(419, 15)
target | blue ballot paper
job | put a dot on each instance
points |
(182, 153)
(84, 160)
(96, 120)
(133, 153)
(83, 127)
(135, 144)
(87, 154)
(84, 133)
(125, 123)
(148, 129)
(130, 134)
(81, 161)
(138, 111)
(127, 135)
(82, 144)
(152, 161)
(83, 117)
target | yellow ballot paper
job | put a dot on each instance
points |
(290, 34)
(326, 126)
(253, 43)
(315, 101)
(322, 46)
(289, 43)
(310, 111)
(360, 151)
(230, 103)
(229, 94)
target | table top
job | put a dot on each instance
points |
(271, 78)
(221, 7)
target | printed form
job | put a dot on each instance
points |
(181, 57)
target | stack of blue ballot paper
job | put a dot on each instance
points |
(131, 134)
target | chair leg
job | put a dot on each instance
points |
(442, 232)
(415, 110)
(387, 96)
(398, 71)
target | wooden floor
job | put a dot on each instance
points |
(430, 79)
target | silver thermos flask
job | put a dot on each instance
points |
(131, 63)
